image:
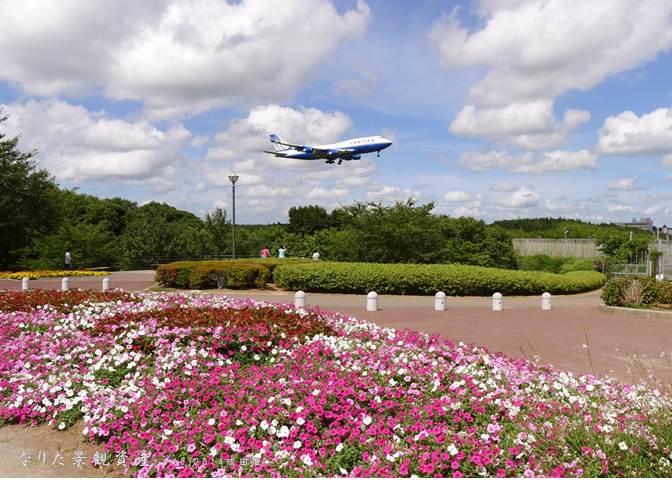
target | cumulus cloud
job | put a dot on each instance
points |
(619, 207)
(623, 184)
(629, 134)
(535, 50)
(77, 145)
(456, 196)
(530, 125)
(539, 49)
(178, 57)
(555, 161)
(388, 193)
(503, 187)
(521, 198)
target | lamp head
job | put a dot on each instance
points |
(233, 178)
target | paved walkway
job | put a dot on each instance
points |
(575, 335)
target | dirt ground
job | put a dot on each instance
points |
(34, 452)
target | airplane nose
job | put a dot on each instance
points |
(386, 142)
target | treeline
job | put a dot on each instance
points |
(566, 228)
(39, 222)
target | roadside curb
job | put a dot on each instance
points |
(637, 312)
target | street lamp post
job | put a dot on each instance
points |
(234, 179)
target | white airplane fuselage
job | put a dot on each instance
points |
(351, 149)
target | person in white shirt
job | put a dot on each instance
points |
(316, 256)
(68, 261)
(281, 251)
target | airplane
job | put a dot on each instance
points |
(346, 150)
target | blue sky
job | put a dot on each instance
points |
(498, 108)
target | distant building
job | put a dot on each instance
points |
(642, 224)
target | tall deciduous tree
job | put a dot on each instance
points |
(29, 202)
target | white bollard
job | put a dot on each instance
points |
(106, 284)
(25, 283)
(300, 299)
(546, 301)
(65, 283)
(372, 302)
(497, 302)
(440, 301)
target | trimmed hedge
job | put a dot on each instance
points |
(411, 279)
(650, 291)
(236, 274)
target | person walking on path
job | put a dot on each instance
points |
(67, 262)
(265, 252)
(281, 251)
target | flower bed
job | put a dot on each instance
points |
(210, 386)
(52, 273)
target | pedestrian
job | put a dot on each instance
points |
(68, 262)
(281, 251)
(265, 252)
(316, 256)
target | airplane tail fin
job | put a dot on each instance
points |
(277, 142)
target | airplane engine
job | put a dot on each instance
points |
(332, 153)
(356, 157)
(308, 149)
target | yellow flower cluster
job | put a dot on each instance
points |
(53, 273)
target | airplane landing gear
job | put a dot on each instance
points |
(340, 160)
(378, 153)
(329, 161)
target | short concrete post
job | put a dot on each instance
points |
(546, 301)
(300, 299)
(440, 301)
(65, 283)
(497, 302)
(372, 302)
(106, 284)
(25, 283)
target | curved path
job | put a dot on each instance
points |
(576, 335)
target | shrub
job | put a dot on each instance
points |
(428, 279)
(248, 273)
(545, 263)
(629, 291)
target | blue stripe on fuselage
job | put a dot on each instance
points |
(352, 150)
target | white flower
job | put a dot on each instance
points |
(263, 424)
(623, 446)
(339, 447)
(229, 440)
(367, 420)
(213, 451)
(243, 348)
(306, 459)
(316, 392)
(284, 432)
(297, 444)
(211, 421)
(452, 450)
(61, 426)
(300, 421)
(167, 432)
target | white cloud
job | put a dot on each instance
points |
(555, 161)
(387, 193)
(503, 187)
(628, 134)
(177, 56)
(535, 50)
(667, 160)
(623, 184)
(539, 49)
(76, 145)
(456, 196)
(618, 207)
(521, 198)
(327, 193)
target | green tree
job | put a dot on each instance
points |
(29, 204)
(218, 229)
(309, 219)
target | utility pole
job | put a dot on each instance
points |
(234, 179)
